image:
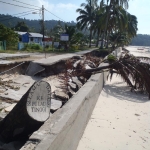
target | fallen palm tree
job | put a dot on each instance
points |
(135, 71)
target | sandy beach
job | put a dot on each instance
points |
(120, 120)
(139, 51)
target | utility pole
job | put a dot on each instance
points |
(43, 29)
(90, 23)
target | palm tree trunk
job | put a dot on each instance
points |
(98, 33)
(106, 24)
(90, 25)
(115, 42)
(107, 39)
(102, 41)
(90, 37)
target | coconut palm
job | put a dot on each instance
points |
(86, 18)
(118, 24)
(99, 18)
(123, 26)
(56, 32)
(70, 30)
(132, 25)
(135, 71)
(111, 4)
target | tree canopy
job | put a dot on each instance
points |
(107, 20)
(8, 34)
(21, 26)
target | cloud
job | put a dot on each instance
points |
(68, 6)
(66, 11)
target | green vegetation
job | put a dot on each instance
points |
(141, 40)
(109, 21)
(33, 25)
(32, 46)
(111, 58)
(8, 35)
(21, 26)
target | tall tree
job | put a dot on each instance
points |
(99, 18)
(86, 18)
(8, 35)
(70, 30)
(110, 6)
(21, 26)
(124, 25)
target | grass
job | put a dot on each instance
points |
(49, 50)
(9, 51)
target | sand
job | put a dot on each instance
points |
(135, 50)
(120, 120)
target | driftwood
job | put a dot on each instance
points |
(29, 113)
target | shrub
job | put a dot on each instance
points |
(32, 46)
(35, 46)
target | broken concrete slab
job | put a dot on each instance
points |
(5, 56)
(62, 95)
(2, 115)
(5, 62)
(8, 109)
(53, 60)
(54, 81)
(55, 104)
(29, 146)
(71, 92)
(90, 64)
(24, 83)
(73, 86)
(77, 82)
(33, 69)
(82, 79)
(57, 58)
(4, 105)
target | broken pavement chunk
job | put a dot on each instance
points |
(55, 104)
(62, 95)
(82, 79)
(77, 82)
(73, 86)
(8, 109)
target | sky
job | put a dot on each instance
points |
(65, 10)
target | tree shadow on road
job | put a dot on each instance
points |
(123, 92)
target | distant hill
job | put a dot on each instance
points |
(141, 40)
(11, 21)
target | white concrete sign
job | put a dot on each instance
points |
(39, 101)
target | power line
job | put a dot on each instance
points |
(16, 5)
(18, 13)
(55, 15)
(15, 16)
(26, 3)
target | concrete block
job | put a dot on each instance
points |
(33, 69)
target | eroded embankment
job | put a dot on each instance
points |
(63, 82)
